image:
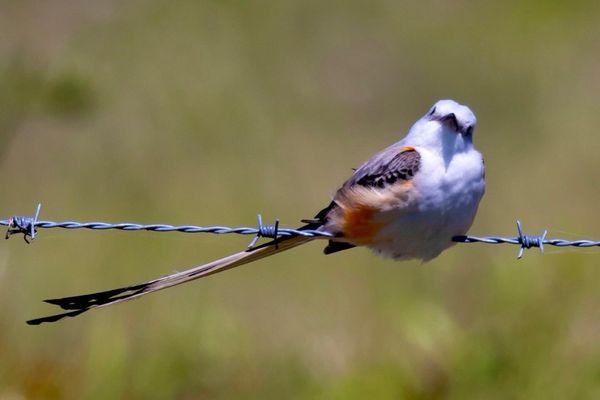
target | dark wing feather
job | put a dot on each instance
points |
(334, 247)
(387, 168)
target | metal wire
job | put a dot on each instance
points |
(28, 227)
(527, 241)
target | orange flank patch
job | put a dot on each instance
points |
(408, 148)
(358, 224)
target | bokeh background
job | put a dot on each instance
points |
(209, 112)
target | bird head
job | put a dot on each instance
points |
(446, 124)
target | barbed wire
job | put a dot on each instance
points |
(527, 241)
(28, 226)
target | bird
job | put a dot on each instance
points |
(406, 202)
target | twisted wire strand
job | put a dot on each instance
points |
(28, 227)
(130, 226)
(515, 240)
(527, 241)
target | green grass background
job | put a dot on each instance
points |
(207, 112)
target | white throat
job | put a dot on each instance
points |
(437, 138)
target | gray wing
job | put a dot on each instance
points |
(386, 168)
(396, 163)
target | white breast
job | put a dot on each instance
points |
(447, 194)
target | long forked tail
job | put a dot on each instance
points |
(82, 303)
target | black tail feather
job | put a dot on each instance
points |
(77, 305)
(56, 317)
(334, 247)
(86, 301)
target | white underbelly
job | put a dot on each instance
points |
(445, 205)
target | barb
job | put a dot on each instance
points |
(24, 225)
(528, 242)
(267, 231)
(29, 225)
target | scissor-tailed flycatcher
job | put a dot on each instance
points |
(407, 201)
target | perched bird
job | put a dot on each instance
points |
(405, 202)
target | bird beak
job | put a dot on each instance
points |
(451, 121)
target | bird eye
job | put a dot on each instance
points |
(430, 113)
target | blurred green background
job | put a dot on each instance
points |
(209, 112)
